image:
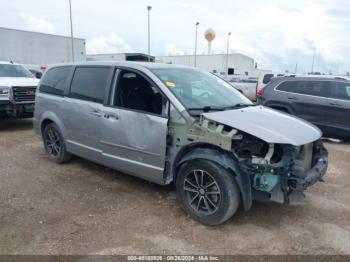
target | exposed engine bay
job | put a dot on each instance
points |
(277, 172)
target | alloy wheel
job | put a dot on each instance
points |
(53, 143)
(202, 192)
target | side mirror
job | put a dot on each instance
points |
(38, 75)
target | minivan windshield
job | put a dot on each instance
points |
(7, 70)
(198, 90)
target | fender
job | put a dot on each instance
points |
(227, 161)
(48, 115)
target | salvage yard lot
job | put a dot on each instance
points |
(84, 208)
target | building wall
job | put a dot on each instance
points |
(106, 57)
(36, 48)
(215, 62)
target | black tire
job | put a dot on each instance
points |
(54, 144)
(226, 202)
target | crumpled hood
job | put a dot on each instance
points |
(18, 81)
(268, 124)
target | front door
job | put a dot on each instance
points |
(134, 127)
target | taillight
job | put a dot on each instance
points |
(260, 92)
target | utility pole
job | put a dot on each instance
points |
(227, 52)
(71, 29)
(296, 68)
(195, 46)
(313, 61)
(149, 8)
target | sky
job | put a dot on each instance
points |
(278, 34)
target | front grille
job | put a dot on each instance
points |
(23, 93)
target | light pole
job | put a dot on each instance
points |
(228, 45)
(71, 29)
(313, 61)
(195, 46)
(149, 8)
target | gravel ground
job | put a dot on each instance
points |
(83, 208)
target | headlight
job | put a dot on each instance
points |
(4, 90)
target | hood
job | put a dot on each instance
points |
(18, 81)
(268, 124)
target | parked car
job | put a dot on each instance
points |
(169, 123)
(265, 78)
(17, 91)
(323, 101)
(246, 86)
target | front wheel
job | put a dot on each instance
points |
(54, 144)
(207, 191)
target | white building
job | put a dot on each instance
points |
(120, 57)
(238, 64)
(34, 48)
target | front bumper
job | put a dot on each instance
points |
(303, 177)
(297, 174)
(320, 165)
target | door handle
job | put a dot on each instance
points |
(292, 98)
(96, 113)
(110, 116)
(334, 104)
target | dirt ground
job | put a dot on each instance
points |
(83, 208)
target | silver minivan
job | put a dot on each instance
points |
(175, 124)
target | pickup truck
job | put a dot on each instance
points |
(17, 91)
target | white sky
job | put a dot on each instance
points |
(277, 33)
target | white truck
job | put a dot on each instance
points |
(17, 91)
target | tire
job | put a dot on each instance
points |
(221, 206)
(54, 144)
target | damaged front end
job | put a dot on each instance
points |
(280, 172)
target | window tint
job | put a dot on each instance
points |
(315, 88)
(342, 91)
(54, 81)
(267, 78)
(288, 86)
(89, 83)
(136, 92)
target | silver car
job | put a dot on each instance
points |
(174, 124)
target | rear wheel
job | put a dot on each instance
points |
(54, 144)
(207, 191)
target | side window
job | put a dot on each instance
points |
(342, 91)
(90, 83)
(135, 92)
(54, 81)
(288, 86)
(316, 88)
(267, 78)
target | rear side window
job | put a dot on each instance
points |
(288, 86)
(342, 91)
(89, 83)
(54, 81)
(314, 88)
(267, 78)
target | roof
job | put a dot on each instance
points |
(7, 63)
(313, 77)
(148, 65)
(33, 32)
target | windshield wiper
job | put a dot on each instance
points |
(221, 108)
(207, 108)
(239, 105)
